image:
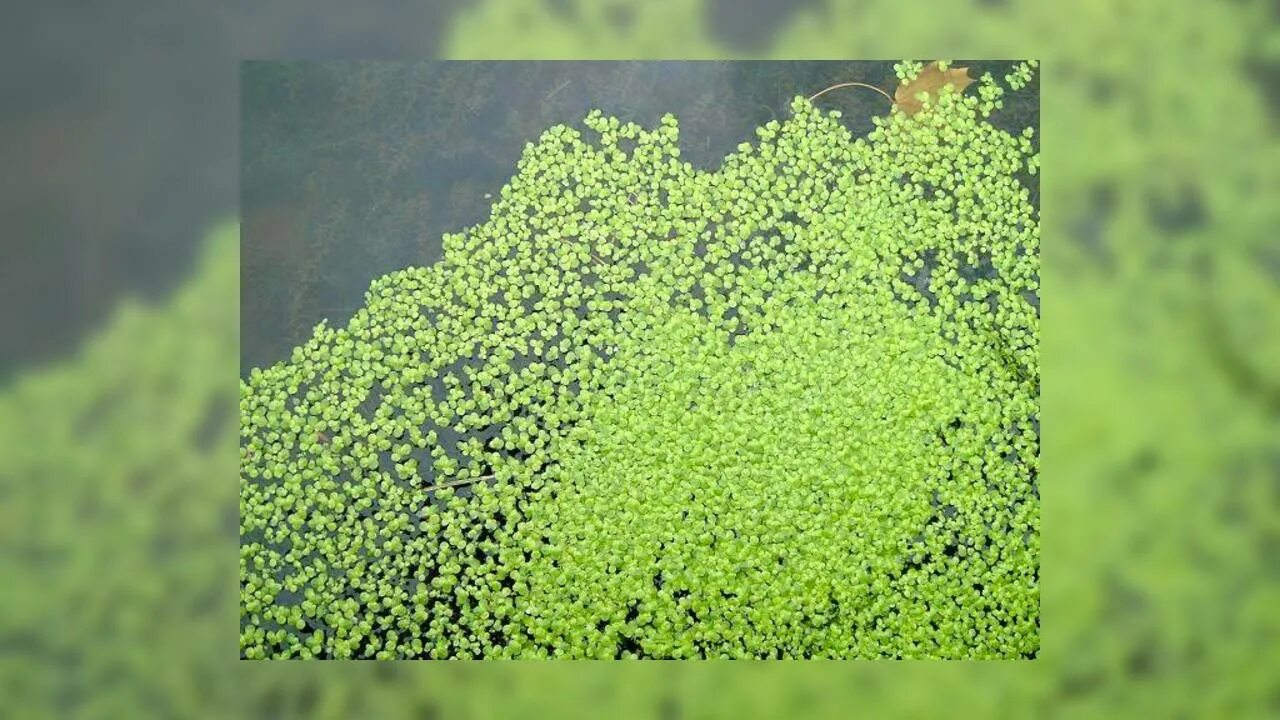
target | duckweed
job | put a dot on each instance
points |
(786, 408)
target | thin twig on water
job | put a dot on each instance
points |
(457, 483)
(818, 94)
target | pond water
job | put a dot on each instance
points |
(350, 170)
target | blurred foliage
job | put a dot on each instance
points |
(1160, 501)
(117, 509)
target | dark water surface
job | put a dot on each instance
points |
(351, 170)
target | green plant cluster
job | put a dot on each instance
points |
(787, 408)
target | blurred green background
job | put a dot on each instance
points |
(1161, 292)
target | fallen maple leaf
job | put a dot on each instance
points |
(930, 81)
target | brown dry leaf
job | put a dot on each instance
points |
(931, 80)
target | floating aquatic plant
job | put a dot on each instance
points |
(788, 408)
